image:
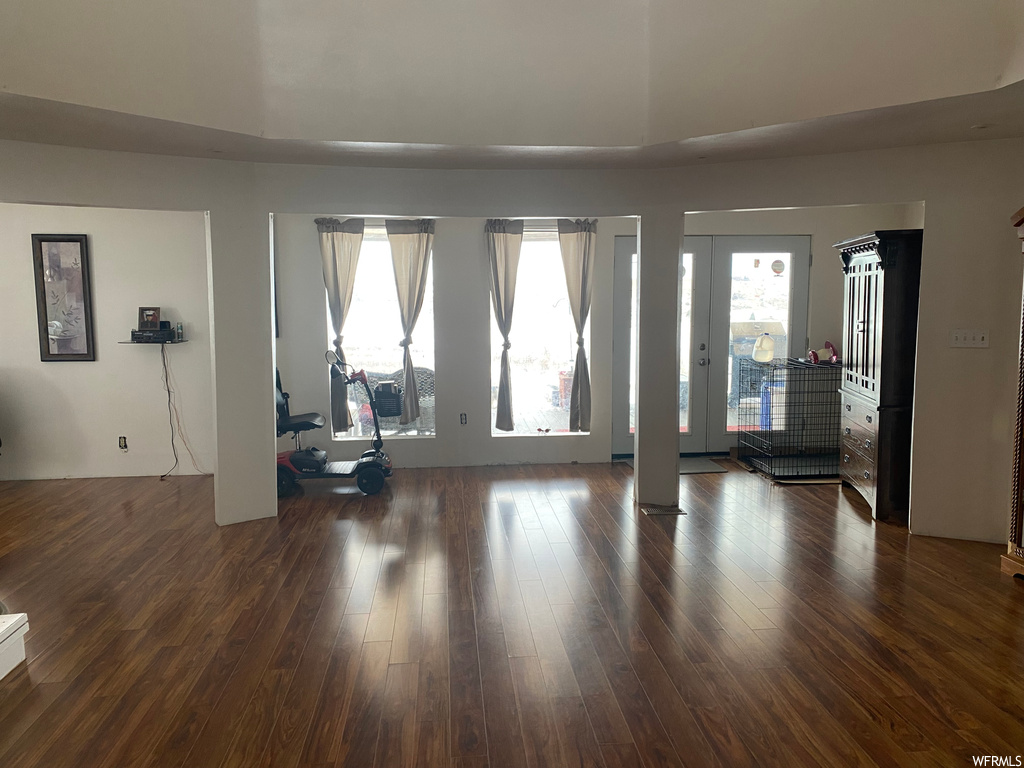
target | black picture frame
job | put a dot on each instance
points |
(63, 298)
(149, 318)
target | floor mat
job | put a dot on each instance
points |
(695, 465)
(698, 465)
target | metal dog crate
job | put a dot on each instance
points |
(790, 417)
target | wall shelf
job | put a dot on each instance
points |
(141, 343)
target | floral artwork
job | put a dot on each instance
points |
(63, 297)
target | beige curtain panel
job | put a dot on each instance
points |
(340, 242)
(578, 241)
(504, 241)
(411, 243)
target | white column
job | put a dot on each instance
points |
(659, 240)
(243, 370)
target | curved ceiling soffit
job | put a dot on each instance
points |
(627, 76)
(995, 114)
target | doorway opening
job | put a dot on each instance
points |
(742, 274)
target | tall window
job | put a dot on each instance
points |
(373, 330)
(543, 339)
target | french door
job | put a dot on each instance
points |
(732, 289)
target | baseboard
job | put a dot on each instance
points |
(13, 627)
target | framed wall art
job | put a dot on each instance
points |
(63, 297)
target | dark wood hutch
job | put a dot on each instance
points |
(1013, 560)
(882, 281)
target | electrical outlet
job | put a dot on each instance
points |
(462, 418)
(967, 337)
(122, 443)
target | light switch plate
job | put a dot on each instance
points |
(968, 337)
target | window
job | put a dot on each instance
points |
(373, 330)
(543, 338)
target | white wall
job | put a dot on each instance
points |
(826, 226)
(462, 350)
(971, 275)
(63, 419)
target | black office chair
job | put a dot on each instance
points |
(286, 423)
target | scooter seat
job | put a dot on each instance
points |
(303, 422)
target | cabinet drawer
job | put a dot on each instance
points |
(859, 436)
(860, 412)
(859, 471)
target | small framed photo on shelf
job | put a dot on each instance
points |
(149, 318)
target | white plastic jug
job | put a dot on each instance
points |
(764, 349)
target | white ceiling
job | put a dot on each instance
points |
(484, 82)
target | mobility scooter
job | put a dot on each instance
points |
(369, 470)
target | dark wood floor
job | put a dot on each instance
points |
(500, 617)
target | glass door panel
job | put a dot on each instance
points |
(624, 287)
(760, 286)
(633, 297)
(685, 340)
(694, 341)
(759, 304)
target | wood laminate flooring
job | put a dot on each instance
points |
(501, 618)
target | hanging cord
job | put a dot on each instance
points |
(170, 410)
(179, 423)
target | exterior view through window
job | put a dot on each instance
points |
(758, 302)
(543, 338)
(373, 330)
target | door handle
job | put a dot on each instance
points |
(702, 361)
